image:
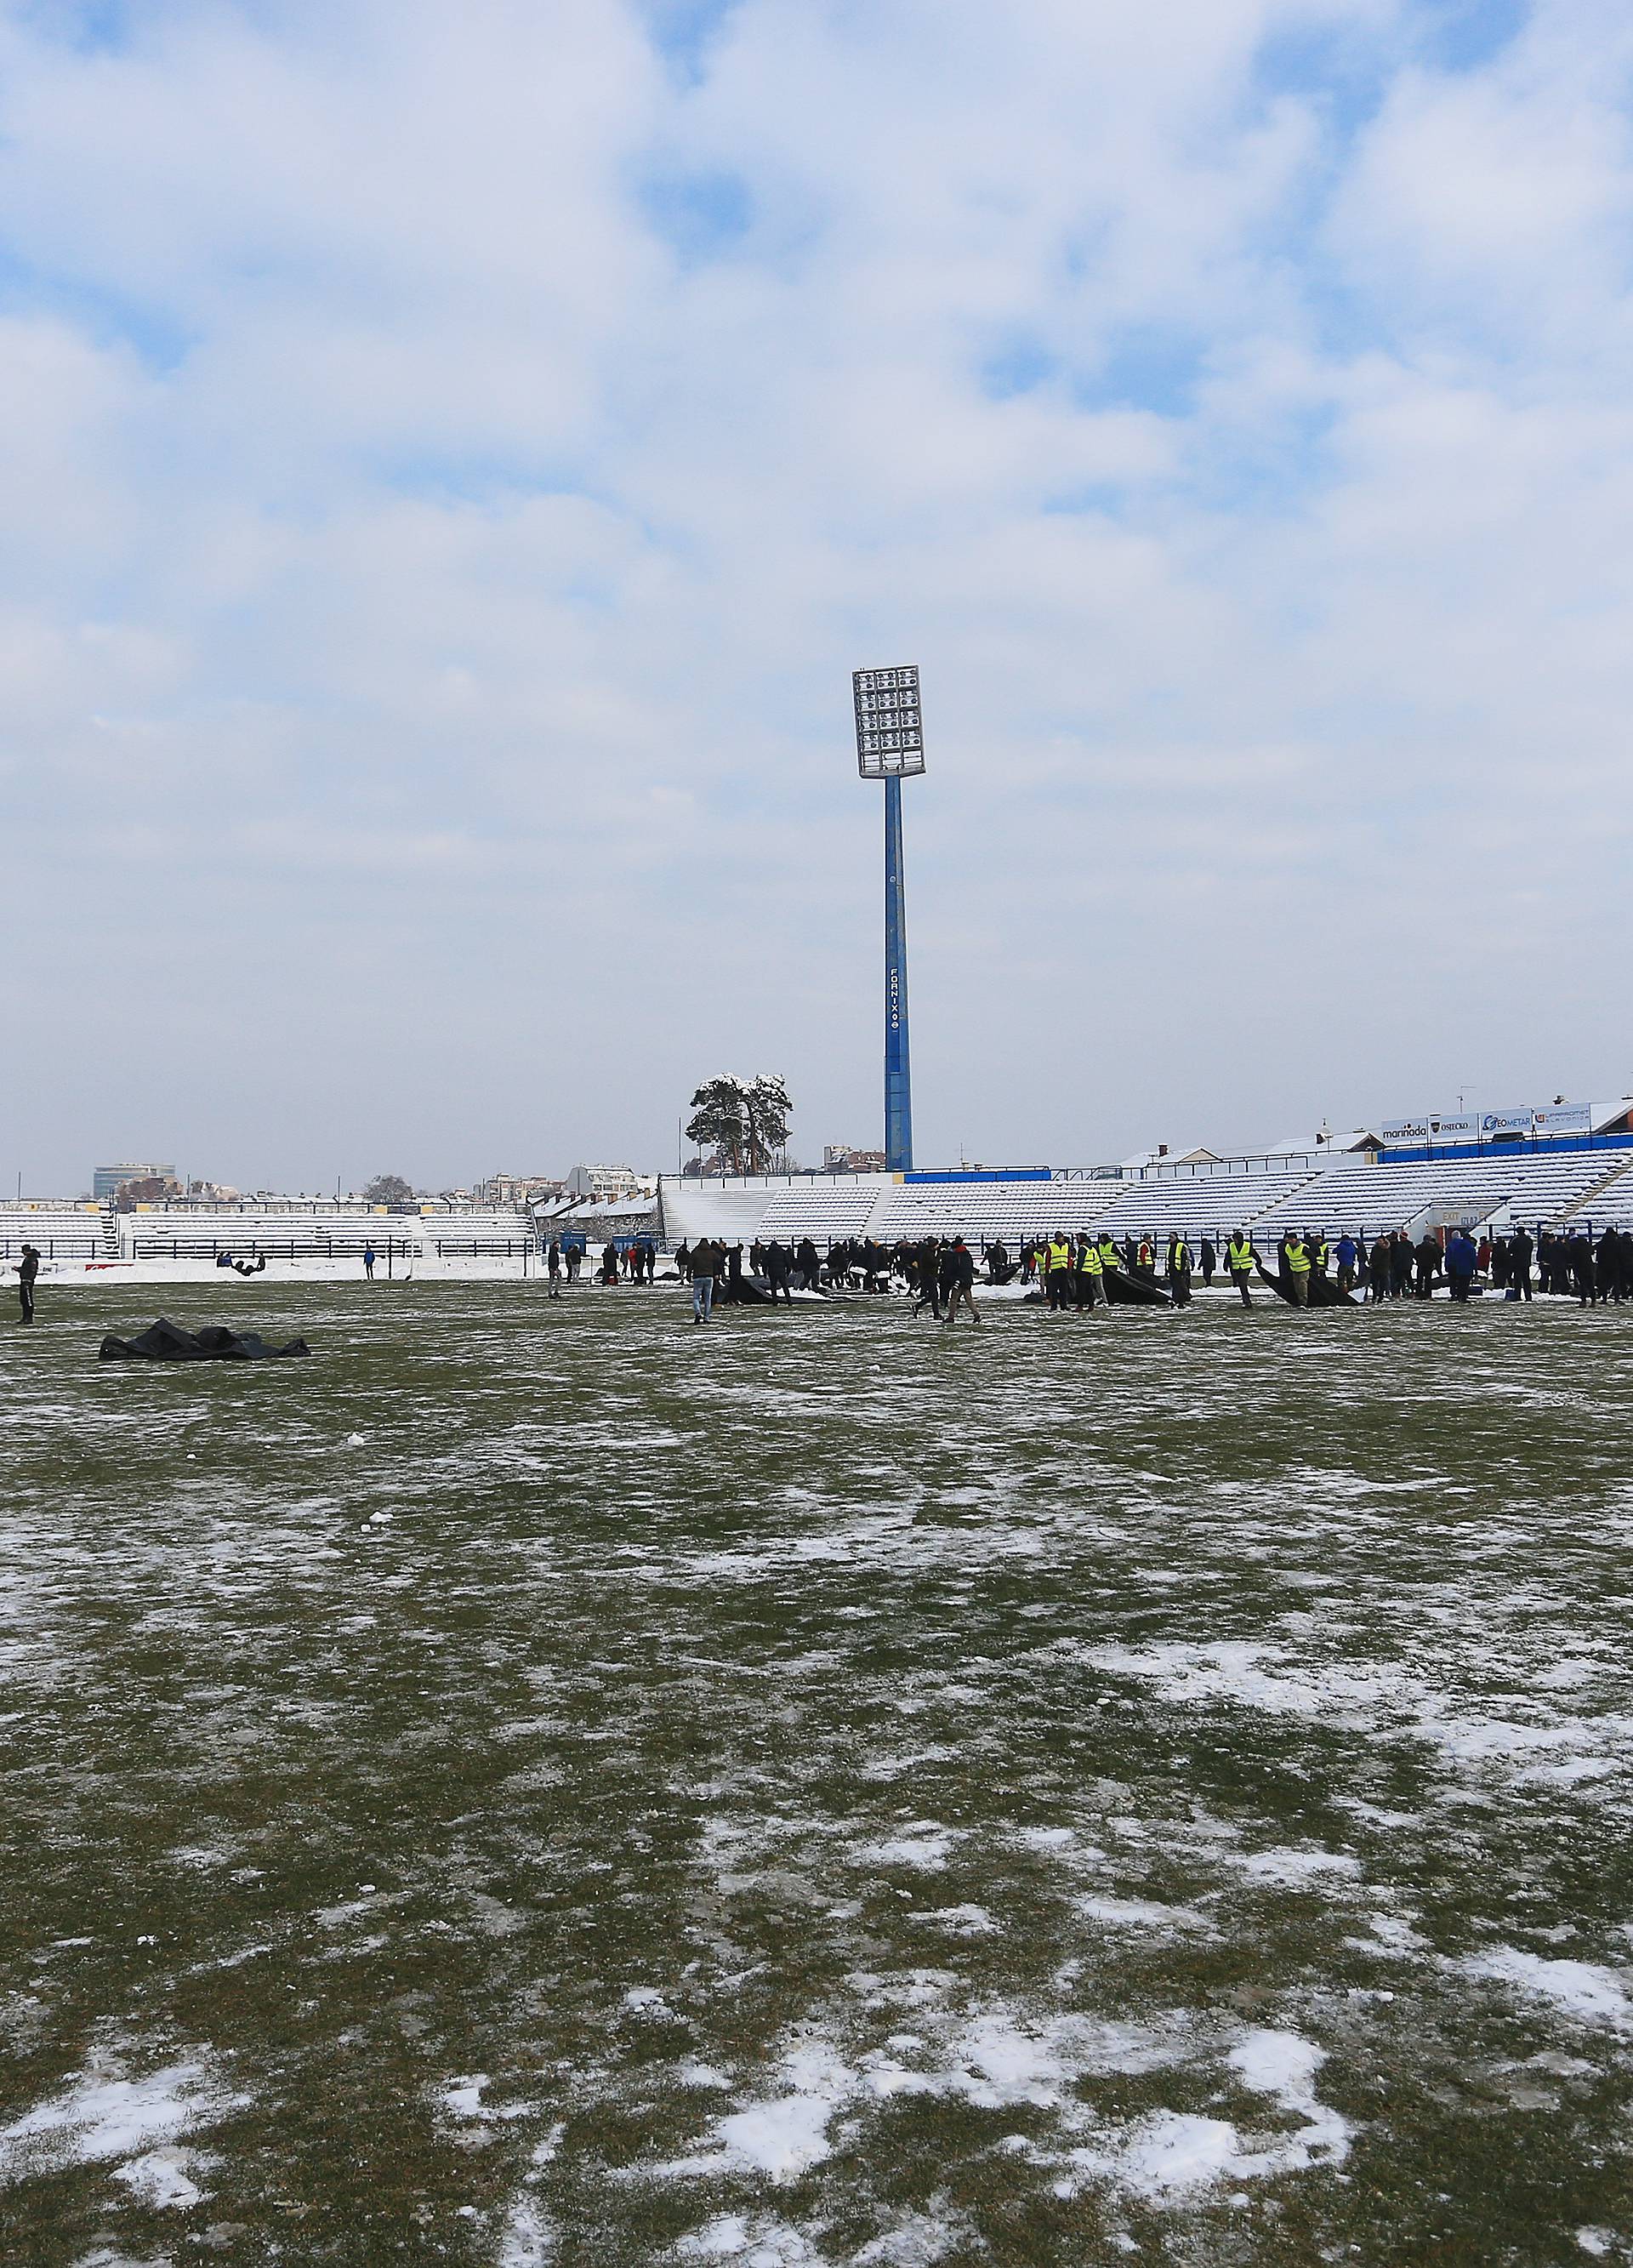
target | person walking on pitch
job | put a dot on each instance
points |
(961, 1287)
(1239, 1260)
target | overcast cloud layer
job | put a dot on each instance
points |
(451, 460)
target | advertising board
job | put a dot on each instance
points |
(1563, 1118)
(1433, 1128)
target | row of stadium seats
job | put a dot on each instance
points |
(1537, 1189)
(59, 1230)
(174, 1231)
(1374, 1199)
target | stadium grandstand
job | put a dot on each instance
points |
(276, 1228)
(1584, 1179)
(59, 1228)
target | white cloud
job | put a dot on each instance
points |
(449, 465)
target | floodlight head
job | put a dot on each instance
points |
(890, 731)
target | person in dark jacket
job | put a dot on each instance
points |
(1428, 1263)
(1377, 1267)
(777, 1266)
(1347, 1254)
(960, 1265)
(1177, 1267)
(1608, 1268)
(701, 1264)
(1400, 1265)
(27, 1271)
(1210, 1261)
(808, 1266)
(927, 1277)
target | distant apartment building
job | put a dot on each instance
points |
(519, 1189)
(610, 1184)
(839, 1157)
(107, 1181)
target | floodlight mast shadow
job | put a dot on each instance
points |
(890, 747)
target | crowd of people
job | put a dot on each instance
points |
(1076, 1270)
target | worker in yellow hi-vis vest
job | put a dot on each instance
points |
(1091, 1275)
(1296, 1264)
(1057, 1270)
(1238, 1258)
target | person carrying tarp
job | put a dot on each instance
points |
(1111, 1261)
(1296, 1266)
(1057, 1270)
(1238, 1259)
(1178, 1271)
(1145, 1260)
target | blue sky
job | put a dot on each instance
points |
(451, 462)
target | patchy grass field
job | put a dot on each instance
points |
(543, 1782)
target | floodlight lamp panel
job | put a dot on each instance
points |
(890, 728)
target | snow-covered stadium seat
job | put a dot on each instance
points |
(59, 1228)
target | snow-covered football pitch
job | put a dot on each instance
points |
(543, 1783)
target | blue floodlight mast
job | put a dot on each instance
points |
(890, 747)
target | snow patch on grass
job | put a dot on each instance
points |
(1583, 1989)
(99, 2118)
(757, 2244)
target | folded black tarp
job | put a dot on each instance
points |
(1323, 1291)
(167, 1342)
(1126, 1290)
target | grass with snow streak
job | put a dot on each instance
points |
(540, 1782)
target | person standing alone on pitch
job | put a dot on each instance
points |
(703, 1262)
(368, 1262)
(27, 1270)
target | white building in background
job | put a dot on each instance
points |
(519, 1189)
(839, 1157)
(107, 1181)
(611, 1184)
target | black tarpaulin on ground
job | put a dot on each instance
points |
(1126, 1290)
(1121, 1291)
(1323, 1291)
(166, 1341)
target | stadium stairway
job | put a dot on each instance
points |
(1620, 1200)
